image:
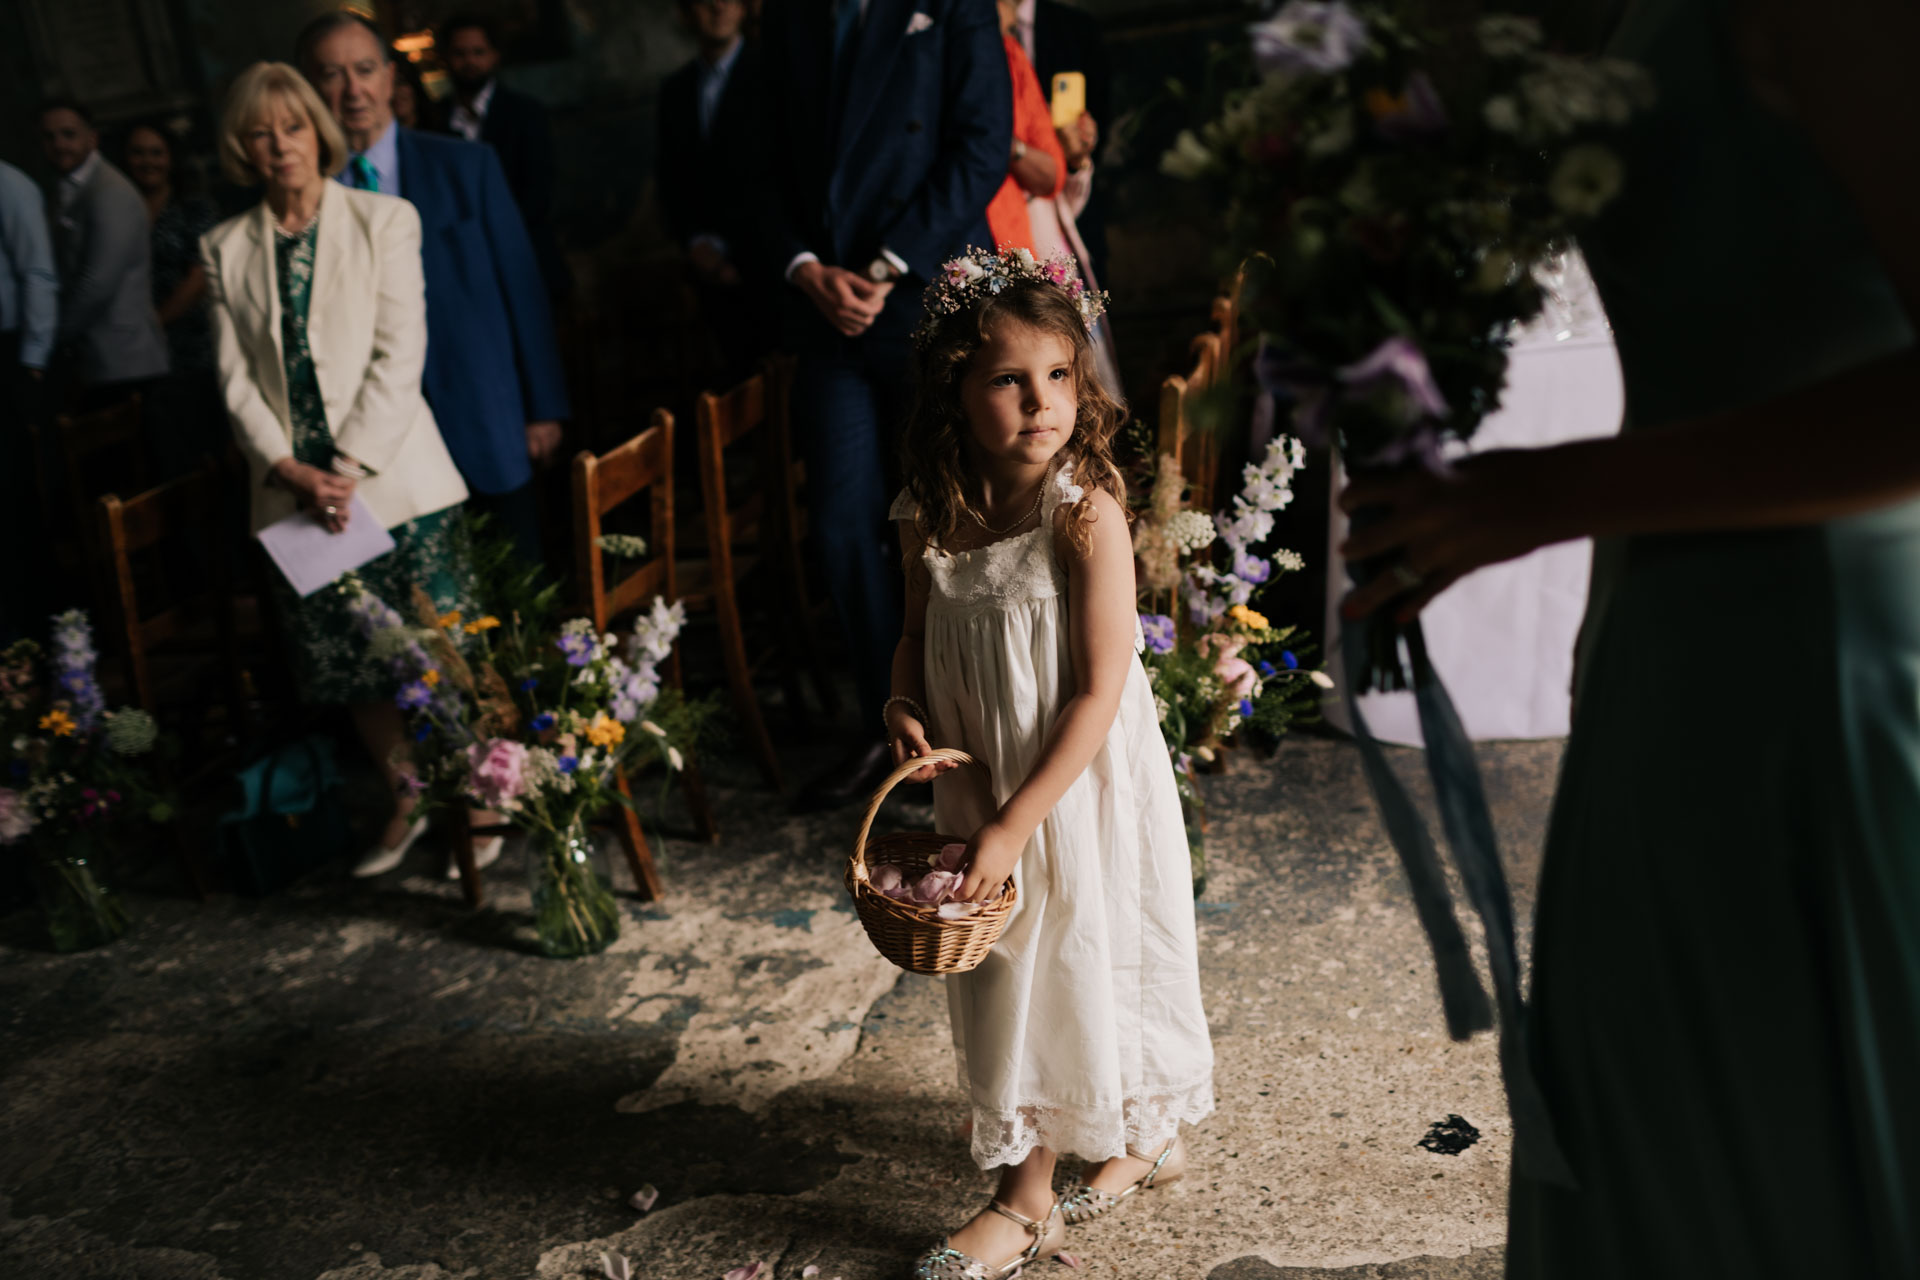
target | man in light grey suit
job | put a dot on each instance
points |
(104, 248)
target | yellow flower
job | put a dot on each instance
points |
(1382, 105)
(450, 619)
(478, 625)
(1247, 618)
(430, 677)
(59, 721)
(604, 732)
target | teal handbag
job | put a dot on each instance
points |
(289, 818)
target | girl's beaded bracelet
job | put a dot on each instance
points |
(919, 712)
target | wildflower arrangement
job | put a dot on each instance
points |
(965, 281)
(1403, 215)
(71, 774)
(532, 721)
(1216, 663)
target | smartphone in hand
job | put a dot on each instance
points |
(1069, 98)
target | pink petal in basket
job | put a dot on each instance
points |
(958, 910)
(887, 879)
(935, 887)
(950, 857)
(746, 1273)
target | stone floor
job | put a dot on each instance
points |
(369, 1082)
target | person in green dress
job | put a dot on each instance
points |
(1725, 1013)
(320, 320)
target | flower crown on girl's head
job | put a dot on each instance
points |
(979, 274)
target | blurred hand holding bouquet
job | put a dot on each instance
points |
(1398, 216)
(535, 723)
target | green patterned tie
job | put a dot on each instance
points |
(365, 176)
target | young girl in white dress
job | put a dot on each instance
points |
(1082, 1031)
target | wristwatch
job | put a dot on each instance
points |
(880, 270)
(1019, 149)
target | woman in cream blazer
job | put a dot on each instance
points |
(320, 321)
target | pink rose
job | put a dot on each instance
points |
(935, 887)
(1237, 674)
(1220, 647)
(499, 769)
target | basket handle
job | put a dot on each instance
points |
(892, 780)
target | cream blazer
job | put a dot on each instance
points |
(367, 329)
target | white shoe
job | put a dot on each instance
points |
(485, 854)
(379, 860)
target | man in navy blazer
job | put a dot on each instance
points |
(493, 372)
(891, 129)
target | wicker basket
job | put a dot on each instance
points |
(909, 934)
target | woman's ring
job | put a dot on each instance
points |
(1408, 577)
(332, 511)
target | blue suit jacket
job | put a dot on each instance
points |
(908, 155)
(492, 363)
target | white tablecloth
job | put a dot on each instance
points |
(1502, 638)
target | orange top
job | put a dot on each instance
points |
(1033, 125)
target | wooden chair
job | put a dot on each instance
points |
(602, 483)
(1197, 450)
(763, 531)
(76, 459)
(198, 625)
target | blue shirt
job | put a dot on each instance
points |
(29, 287)
(384, 156)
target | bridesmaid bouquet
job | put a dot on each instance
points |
(1397, 216)
(71, 774)
(532, 722)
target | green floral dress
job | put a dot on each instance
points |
(327, 653)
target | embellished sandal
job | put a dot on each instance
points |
(1083, 1203)
(944, 1262)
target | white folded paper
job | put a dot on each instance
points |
(311, 555)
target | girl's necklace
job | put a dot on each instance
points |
(1039, 492)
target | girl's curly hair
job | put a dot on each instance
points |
(933, 448)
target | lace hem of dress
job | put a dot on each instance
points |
(1146, 1122)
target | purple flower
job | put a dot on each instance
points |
(578, 648)
(413, 696)
(1246, 708)
(421, 734)
(1159, 630)
(1287, 660)
(1266, 668)
(1251, 568)
(1308, 36)
(567, 764)
(530, 684)
(543, 722)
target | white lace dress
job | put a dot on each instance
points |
(1082, 1031)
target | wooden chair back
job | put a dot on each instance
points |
(602, 483)
(189, 510)
(1198, 451)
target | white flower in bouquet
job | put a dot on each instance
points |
(1305, 36)
(1502, 114)
(1251, 525)
(1335, 136)
(1586, 180)
(1508, 35)
(131, 731)
(1188, 158)
(1191, 530)
(674, 759)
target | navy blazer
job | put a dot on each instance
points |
(493, 365)
(910, 157)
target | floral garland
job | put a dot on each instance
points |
(978, 274)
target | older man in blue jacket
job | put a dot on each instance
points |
(493, 373)
(892, 130)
